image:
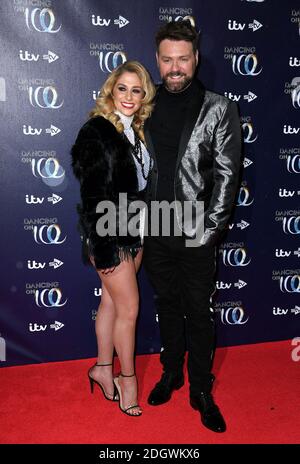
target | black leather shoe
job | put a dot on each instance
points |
(210, 414)
(162, 391)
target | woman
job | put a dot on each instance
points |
(109, 158)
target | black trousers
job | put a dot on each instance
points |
(183, 282)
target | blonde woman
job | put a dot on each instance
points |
(109, 157)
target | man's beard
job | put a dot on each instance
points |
(174, 86)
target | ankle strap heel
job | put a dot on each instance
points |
(110, 397)
(126, 410)
(100, 365)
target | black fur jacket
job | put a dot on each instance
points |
(103, 164)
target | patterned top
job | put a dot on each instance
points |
(129, 132)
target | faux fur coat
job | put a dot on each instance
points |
(103, 164)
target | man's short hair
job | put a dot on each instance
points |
(178, 30)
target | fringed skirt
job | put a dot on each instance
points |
(124, 252)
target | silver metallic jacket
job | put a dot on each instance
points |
(208, 162)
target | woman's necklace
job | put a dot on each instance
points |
(138, 154)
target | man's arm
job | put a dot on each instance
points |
(226, 148)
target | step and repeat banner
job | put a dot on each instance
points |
(54, 57)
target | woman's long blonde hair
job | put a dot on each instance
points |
(104, 103)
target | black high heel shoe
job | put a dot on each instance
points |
(125, 410)
(113, 397)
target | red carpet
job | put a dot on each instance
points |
(257, 389)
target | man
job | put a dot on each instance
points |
(195, 139)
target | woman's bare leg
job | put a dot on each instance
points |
(122, 287)
(138, 260)
(104, 333)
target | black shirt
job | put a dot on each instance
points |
(167, 123)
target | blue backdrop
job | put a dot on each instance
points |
(54, 57)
